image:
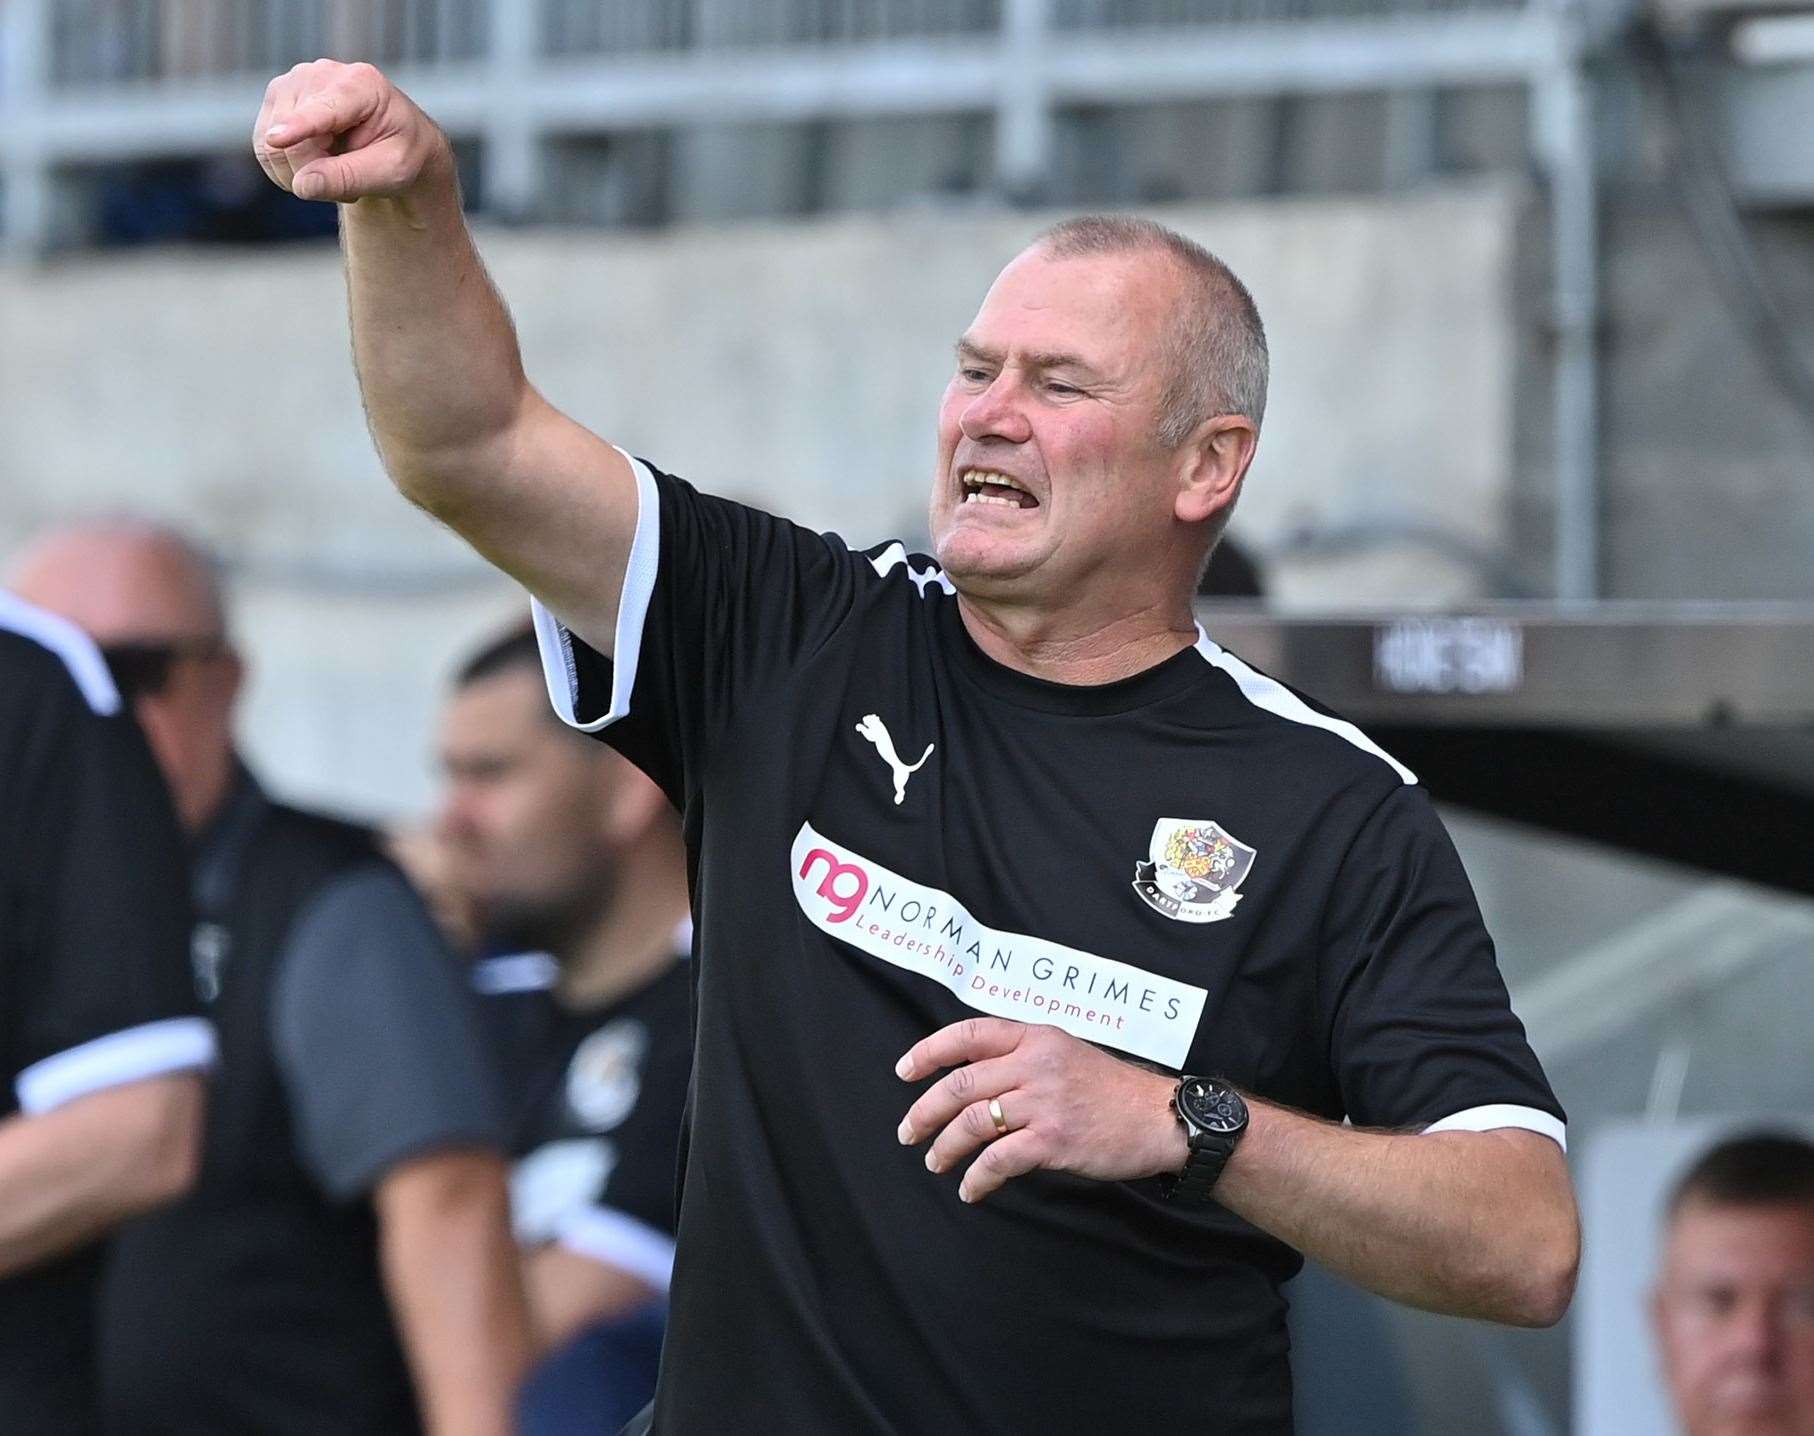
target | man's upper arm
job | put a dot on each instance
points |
(1421, 1029)
(721, 603)
(376, 1036)
(557, 512)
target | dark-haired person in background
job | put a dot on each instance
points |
(344, 1263)
(562, 848)
(101, 1043)
(1734, 1302)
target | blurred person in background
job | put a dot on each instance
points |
(1733, 1306)
(1091, 1239)
(562, 848)
(344, 1263)
(101, 1041)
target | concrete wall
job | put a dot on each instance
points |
(798, 365)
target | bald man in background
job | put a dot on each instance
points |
(345, 1263)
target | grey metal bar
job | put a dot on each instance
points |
(1564, 143)
(511, 133)
(1023, 116)
(25, 57)
(924, 76)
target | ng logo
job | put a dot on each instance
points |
(846, 900)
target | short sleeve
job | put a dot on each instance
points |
(721, 602)
(1421, 1030)
(105, 994)
(376, 1035)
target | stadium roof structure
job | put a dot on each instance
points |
(1677, 731)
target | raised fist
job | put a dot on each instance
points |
(329, 131)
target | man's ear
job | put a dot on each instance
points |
(1214, 462)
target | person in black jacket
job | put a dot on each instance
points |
(345, 1262)
(100, 1040)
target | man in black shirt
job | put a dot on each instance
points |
(100, 1038)
(1008, 816)
(565, 849)
(344, 1263)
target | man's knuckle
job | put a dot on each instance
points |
(960, 1082)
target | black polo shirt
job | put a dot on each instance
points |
(596, 1107)
(94, 973)
(1196, 867)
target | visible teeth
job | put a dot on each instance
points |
(975, 478)
(977, 497)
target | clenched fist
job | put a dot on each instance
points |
(329, 131)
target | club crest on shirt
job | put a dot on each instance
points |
(605, 1076)
(1194, 870)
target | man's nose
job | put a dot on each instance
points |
(997, 413)
(1755, 1328)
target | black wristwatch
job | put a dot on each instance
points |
(1213, 1117)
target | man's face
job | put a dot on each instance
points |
(1734, 1314)
(1057, 387)
(143, 603)
(523, 817)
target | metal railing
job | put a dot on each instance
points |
(91, 81)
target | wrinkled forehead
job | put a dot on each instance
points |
(1107, 309)
(1742, 1242)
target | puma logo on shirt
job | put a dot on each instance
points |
(876, 731)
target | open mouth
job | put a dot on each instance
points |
(987, 486)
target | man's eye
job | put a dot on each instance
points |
(975, 376)
(1063, 390)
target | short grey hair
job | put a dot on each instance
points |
(1216, 352)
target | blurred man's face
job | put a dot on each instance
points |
(1057, 387)
(1734, 1314)
(525, 817)
(141, 600)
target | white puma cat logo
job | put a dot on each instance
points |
(876, 731)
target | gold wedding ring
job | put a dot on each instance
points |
(995, 1116)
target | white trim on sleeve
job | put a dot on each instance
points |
(607, 1235)
(556, 644)
(514, 972)
(1500, 1115)
(131, 1055)
(78, 651)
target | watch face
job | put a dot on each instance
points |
(1212, 1106)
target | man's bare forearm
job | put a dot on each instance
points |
(450, 1269)
(1479, 1224)
(68, 1176)
(460, 429)
(439, 368)
(1469, 1223)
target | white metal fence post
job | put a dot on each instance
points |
(24, 165)
(1023, 115)
(511, 168)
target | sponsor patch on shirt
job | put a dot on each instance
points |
(1006, 974)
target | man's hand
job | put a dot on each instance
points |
(329, 131)
(1068, 1107)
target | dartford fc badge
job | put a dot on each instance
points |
(1194, 872)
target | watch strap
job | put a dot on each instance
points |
(1208, 1155)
